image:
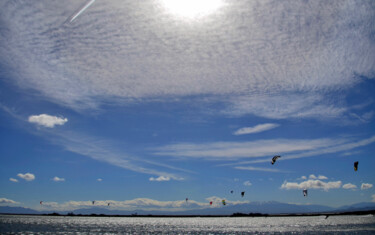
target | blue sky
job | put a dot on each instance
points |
(144, 104)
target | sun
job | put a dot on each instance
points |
(191, 9)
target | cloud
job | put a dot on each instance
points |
(365, 186)
(109, 151)
(250, 168)
(247, 183)
(47, 120)
(312, 176)
(27, 176)
(255, 129)
(5, 200)
(322, 177)
(235, 150)
(143, 204)
(13, 179)
(349, 186)
(100, 180)
(312, 184)
(280, 64)
(160, 178)
(58, 179)
(332, 146)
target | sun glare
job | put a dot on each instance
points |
(191, 9)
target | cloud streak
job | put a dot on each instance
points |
(81, 10)
(250, 168)
(237, 150)
(105, 151)
(255, 129)
(160, 178)
(335, 146)
(7, 201)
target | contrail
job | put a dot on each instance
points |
(82, 9)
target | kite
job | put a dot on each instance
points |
(274, 159)
(305, 192)
(355, 166)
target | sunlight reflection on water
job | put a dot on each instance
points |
(12, 224)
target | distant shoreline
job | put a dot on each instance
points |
(328, 214)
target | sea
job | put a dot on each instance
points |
(32, 224)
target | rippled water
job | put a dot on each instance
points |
(12, 224)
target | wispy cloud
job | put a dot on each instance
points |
(58, 179)
(349, 186)
(236, 150)
(334, 146)
(250, 168)
(13, 180)
(160, 178)
(247, 183)
(7, 201)
(312, 184)
(27, 176)
(80, 10)
(107, 151)
(288, 78)
(365, 186)
(255, 129)
(47, 120)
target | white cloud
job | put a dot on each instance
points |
(47, 120)
(322, 177)
(100, 180)
(312, 176)
(234, 150)
(280, 62)
(13, 179)
(247, 183)
(5, 200)
(255, 129)
(143, 204)
(27, 176)
(58, 179)
(250, 168)
(109, 152)
(349, 186)
(336, 145)
(365, 186)
(312, 184)
(160, 178)
(303, 177)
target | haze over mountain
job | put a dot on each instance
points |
(271, 207)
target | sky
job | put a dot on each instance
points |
(142, 104)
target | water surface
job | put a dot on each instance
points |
(16, 224)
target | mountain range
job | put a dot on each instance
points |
(271, 207)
